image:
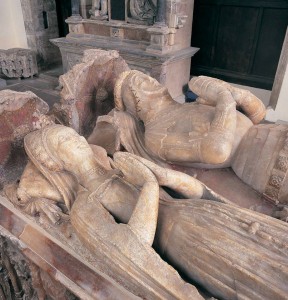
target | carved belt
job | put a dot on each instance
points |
(278, 174)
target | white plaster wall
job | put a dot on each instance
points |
(12, 30)
(281, 111)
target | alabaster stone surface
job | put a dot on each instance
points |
(87, 89)
(211, 133)
(20, 113)
(60, 154)
(231, 252)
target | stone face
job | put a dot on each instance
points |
(129, 246)
(208, 133)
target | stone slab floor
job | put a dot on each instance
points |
(44, 85)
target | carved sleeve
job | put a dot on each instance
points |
(144, 217)
(216, 146)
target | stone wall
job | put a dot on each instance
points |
(40, 19)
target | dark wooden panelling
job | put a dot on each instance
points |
(240, 41)
(271, 37)
(118, 10)
(203, 30)
(235, 41)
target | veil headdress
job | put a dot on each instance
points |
(37, 148)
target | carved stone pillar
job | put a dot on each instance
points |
(74, 22)
(75, 5)
(161, 12)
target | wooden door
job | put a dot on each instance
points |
(240, 41)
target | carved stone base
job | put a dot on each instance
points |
(56, 269)
(20, 278)
(17, 62)
(172, 70)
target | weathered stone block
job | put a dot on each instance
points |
(17, 62)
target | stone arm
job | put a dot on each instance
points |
(187, 186)
(217, 145)
(143, 220)
(207, 89)
(214, 146)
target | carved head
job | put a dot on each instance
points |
(138, 93)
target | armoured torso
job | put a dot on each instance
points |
(261, 160)
(179, 128)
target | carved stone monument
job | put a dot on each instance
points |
(210, 133)
(231, 252)
(17, 63)
(122, 227)
(152, 36)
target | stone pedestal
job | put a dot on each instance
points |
(161, 50)
(170, 69)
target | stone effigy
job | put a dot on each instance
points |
(142, 10)
(99, 10)
(232, 252)
(17, 63)
(20, 113)
(54, 151)
(211, 133)
(87, 89)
